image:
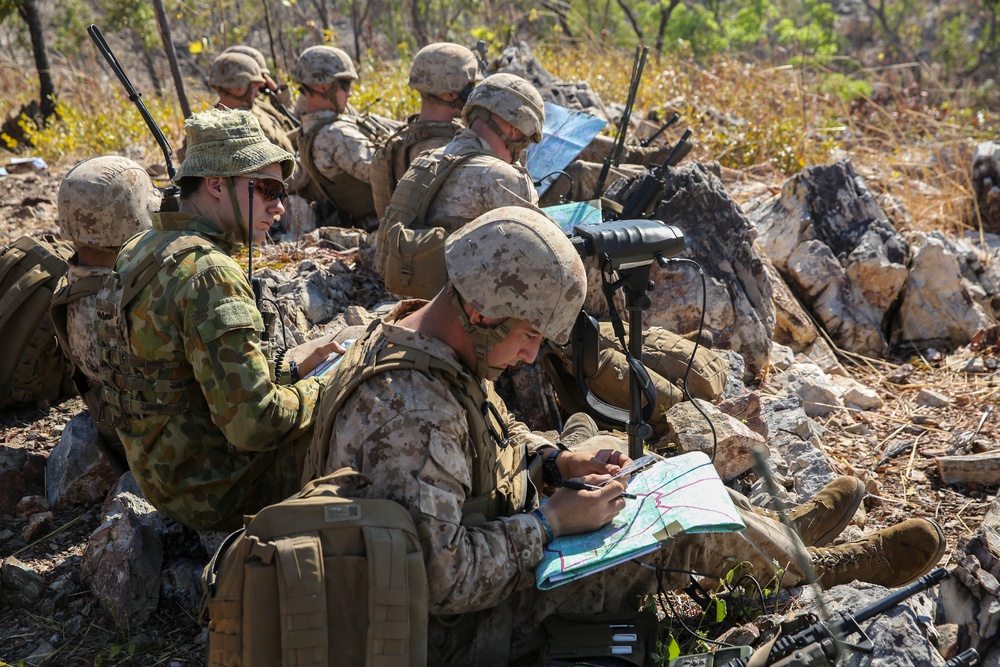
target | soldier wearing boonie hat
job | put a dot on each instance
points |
(213, 427)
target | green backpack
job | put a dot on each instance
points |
(320, 579)
(32, 367)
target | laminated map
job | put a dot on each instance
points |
(683, 494)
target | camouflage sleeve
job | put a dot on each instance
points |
(341, 148)
(510, 185)
(221, 325)
(410, 436)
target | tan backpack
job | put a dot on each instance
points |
(320, 579)
(32, 367)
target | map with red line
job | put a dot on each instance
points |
(683, 494)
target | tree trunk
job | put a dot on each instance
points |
(47, 90)
(631, 19)
(664, 20)
(418, 25)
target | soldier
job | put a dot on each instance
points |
(212, 427)
(444, 74)
(476, 172)
(275, 98)
(414, 410)
(335, 150)
(238, 80)
(103, 202)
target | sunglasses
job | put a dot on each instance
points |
(267, 187)
(345, 84)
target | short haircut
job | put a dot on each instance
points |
(190, 185)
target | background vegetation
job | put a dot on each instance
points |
(772, 85)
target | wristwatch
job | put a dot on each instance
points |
(550, 470)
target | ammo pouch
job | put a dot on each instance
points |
(320, 579)
(602, 640)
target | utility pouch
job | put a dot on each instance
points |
(603, 640)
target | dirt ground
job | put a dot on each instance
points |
(893, 449)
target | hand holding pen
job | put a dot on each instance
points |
(577, 485)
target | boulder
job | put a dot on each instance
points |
(77, 473)
(838, 251)
(719, 237)
(23, 588)
(795, 457)
(731, 442)
(808, 381)
(22, 473)
(944, 301)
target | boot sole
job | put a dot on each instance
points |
(830, 535)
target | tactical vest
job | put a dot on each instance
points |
(127, 378)
(500, 484)
(350, 195)
(404, 243)
(100, 411)
(394, 156)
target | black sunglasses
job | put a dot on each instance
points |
(270, 188)
(345, 84)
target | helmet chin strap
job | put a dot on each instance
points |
(514, 146)
(243, 229)
(483, 338)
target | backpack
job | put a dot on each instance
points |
(320, 579)
(32, 367)
(409, 255)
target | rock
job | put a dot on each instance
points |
(932, 399)
(737, 371)
(792, 440)
(32, 505)
(42, 655)
(898, 636)
(940, 304)
(39, 525)
(838, 251)
(689, 429)
(77, 473)
(720, 238)
(181, 583)
(856, 395)
(808, 381)
(900, 374)
(21, 474)
(986, 184)
(23, 588)
(781, 356)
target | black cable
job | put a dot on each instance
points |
(664, 262)
(572, 183)
(277, 308)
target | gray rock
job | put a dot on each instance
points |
(23, 588)
(899, 634)
(932, 399)
(21, 474)
(77, 473)
(781, 357)
(839, 252)
(808, 381)
(940, 303)
(720, 238)
(793, 438)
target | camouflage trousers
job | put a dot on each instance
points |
(513, 629)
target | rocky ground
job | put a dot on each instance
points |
(893, 448)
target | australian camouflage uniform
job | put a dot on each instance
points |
(208, 434)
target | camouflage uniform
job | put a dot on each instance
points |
(409, 431)
(81, 331)
(194, 330)
(340, 148)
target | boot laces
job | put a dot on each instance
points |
(850, 555)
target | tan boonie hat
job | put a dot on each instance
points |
(105, 201)
(234, 70)
(516, 262)
(229, 143)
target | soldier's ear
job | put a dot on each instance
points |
(215, 186)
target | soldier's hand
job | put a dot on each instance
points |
(311, 353)
(571, 512)
(601, 462)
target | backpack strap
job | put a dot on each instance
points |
(302, 600)
(388, 639)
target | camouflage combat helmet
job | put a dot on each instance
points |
(234, 70)
(515, 263)
(229, 143)
(515, 100)
(253, 53)
(444, 67)
(106, 200)
(320, 65)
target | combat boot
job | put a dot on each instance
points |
(889, 557)
(826, 514)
